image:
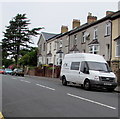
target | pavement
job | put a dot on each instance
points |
(1, 116)
(117, 89)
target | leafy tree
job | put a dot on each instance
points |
(17, 36)
(29, 59)
(7, 62)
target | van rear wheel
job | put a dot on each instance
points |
(87, 85)
(64, 82)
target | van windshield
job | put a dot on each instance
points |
(99, 66)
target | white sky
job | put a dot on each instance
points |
(52, 15)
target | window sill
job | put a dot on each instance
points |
(106, 35)
(83, 43)
(117, 56)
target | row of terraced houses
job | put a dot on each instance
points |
(96, 36)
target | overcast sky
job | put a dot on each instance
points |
(52, 15)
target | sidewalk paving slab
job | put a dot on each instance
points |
(1, 116)
(117, 89)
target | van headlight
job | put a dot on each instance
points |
(96, 78)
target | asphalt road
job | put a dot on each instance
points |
(46, 97)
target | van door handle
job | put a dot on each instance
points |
(79, 72)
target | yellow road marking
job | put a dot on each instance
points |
(1, 116)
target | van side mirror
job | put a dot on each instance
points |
(86, 71)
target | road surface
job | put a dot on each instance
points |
(46, 97)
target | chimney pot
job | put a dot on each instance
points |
(64, 29)
(89, 14)
(109, 13)
(91, 18)
(75, 23)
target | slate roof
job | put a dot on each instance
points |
(49, 54)
(74, 48)
(47, 35)
(94, 42)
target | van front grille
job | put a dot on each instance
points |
(108, 79)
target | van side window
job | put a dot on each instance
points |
(84, 66)
(75, 65)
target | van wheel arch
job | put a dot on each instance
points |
(87, 85)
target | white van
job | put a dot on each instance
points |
(88, 70)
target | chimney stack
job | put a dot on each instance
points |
(109, 13)
(64, 29)
(91, 18)
(75, 23)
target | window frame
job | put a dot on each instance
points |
(75, 39)
(95, 34)
(93, 49)
(108, 29)
(83, 37)
(117, 48)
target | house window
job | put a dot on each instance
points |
(75, 40)
(83, 37)
(40, 49)
(118, 48)
(94, 49)
(55, 45)
(108, 29)
(95, 36)
(61, 43)
(50, 47)
(44, 47)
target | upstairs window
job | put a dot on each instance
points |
(108, 29)
(61, 43)
(50, 47)
(55, 45)
(95, 35)
(75, 40)
(118, 48)
(44, 47)
(83, 37)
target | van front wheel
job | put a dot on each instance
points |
(64, 82)
(87, 85)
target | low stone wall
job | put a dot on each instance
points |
(115, 66)
(45, 72)
(118, 76)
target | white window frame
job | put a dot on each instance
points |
(61, 43)
(75, 39)
(83, 37)
(95, 35)
(93, 49)
(108, 29)
(44, 45)
(117, 47)
(55, 45)
(50, 47)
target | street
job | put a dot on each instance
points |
(46, 97)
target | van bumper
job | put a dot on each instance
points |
(103, 84)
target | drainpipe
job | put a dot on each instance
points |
(111, 44)
(68, 43)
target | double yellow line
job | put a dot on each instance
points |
(1, 116)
